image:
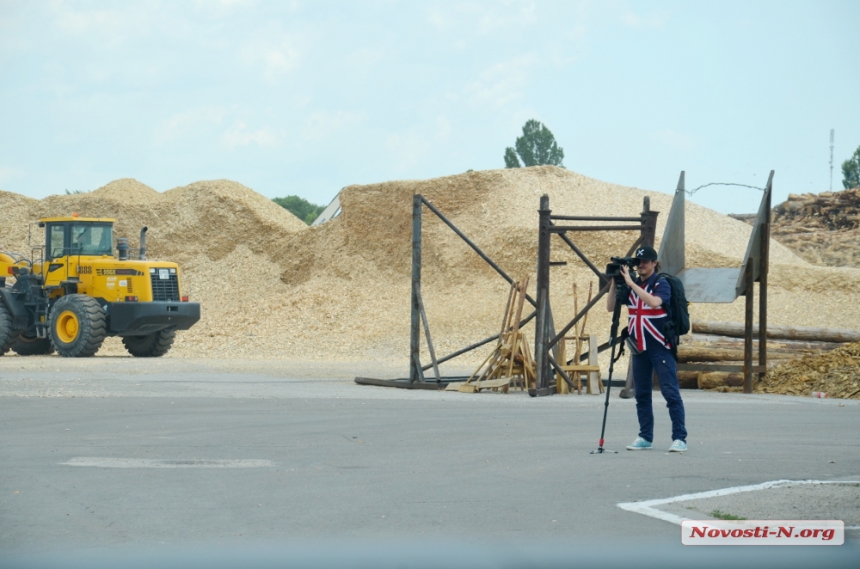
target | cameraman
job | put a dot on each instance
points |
(650, 351)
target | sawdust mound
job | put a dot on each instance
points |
(272, 287)
(126, 190)
(497, 209)
(210, 217)
(16, 221)
(835, 373)
(365, 255)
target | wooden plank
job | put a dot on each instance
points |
(561, 385)
(505, 323)
(427, 336)
(493, 383)
(672, 256)
(581, 368)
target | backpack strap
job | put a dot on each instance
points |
(673, 338)
(652, 282)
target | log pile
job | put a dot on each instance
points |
(721, 343)
(823, 229)
(835, 373)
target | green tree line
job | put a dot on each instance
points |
(300, 207)
(851, 171)
(536, 147)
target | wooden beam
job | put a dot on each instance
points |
(736, 330)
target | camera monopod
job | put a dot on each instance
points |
(613, 338)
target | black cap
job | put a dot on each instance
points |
(646, 254)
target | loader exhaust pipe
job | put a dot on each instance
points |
(142, 254)
(122, 248)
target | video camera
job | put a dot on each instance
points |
(613, 271)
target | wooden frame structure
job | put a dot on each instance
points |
(546, 339)
(702, 285)
(417, 379)
(720, 285)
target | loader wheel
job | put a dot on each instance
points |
(150, 346)
(25, 345)
(7, 336)
(78, 326)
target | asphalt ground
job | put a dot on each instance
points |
(124, 455)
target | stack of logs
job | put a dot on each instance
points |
(822, 228)
(723, 343)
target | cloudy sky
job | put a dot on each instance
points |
(308, 97)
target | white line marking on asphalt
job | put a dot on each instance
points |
(155, 463)
(646, 508)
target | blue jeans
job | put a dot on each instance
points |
(660, 359)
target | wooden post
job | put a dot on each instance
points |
(762, 283)
(748, 330)
(561, 387)
(649, 223)
(543, 371)
(415, 371)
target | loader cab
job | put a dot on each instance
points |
(77, 236)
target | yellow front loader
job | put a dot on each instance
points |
(71, 293)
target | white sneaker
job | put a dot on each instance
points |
(639, 444)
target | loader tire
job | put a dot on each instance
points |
(78, 326)
(150, 346)
(7, 335)
(25, 345)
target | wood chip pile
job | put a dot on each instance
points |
(272, 287)
(835, 373)
(823, 229)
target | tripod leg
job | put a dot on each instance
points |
(613, 335)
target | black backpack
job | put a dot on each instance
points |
(679, 312)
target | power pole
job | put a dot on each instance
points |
(831, 159)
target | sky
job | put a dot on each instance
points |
(305, 98)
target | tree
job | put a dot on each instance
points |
(851, 171)
(536, 147)
(300, 207)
